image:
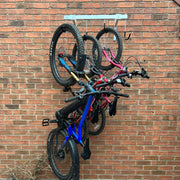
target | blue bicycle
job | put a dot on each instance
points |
(61, 147)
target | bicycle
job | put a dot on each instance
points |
(96, 115)
(97, 125)
(66, 61)
(67, 131)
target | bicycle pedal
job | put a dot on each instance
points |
(86, 153)
(45, 122)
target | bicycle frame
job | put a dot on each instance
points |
(72, 129)
(98, 82)
(113, 77)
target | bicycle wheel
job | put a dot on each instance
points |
(110, 39)
(93, 51)
(63, 40)
(64, 162)
(96, 126)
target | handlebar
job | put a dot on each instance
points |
(94, 93)
(121, 81)
(143, 74)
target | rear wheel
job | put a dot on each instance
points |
(63, 161)
(97, 125)
(93, 51)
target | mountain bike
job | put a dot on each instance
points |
(68, 56)
(96, 117)
(61, 147)
(112, 47)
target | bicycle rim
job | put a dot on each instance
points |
(95, 128)
(93, 51)
(110, 39)
(64, 162)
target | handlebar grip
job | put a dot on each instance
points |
(102, 85)
(72, 98)
(147, 76)
(123, 95)
(123, 75)
(127, 84)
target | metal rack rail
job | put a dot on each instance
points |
(116, 17)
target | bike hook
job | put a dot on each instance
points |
(127, 38)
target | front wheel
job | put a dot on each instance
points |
(63, 161)
(111, 42)
(60, 53)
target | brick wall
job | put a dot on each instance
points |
(142, 140)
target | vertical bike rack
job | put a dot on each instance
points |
(116, 17)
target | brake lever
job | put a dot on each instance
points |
(135, 73)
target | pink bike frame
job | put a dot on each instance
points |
(113, 77)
